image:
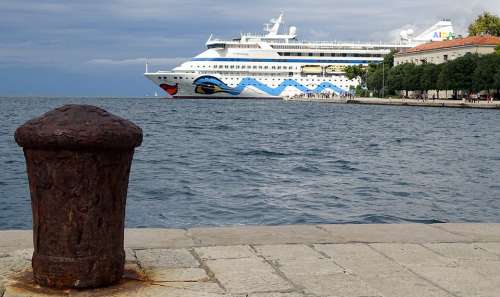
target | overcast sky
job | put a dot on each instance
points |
(98, 48)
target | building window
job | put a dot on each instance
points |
(445, 57)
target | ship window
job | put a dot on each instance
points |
(164, 77)
(159, 77)
(260, 67)
(175, 77)
(310, 54)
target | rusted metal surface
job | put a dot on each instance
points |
(23, 284)
(78, 163)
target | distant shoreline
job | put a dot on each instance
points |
(404, 102)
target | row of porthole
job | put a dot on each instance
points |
(175, 77)
(266, 79)
(244, 67)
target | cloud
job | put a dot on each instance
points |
(89, 36)
(33, 7)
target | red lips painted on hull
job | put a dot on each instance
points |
(171, 90)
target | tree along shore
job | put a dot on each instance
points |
(471, 76)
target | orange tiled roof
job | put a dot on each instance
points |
(471, 40)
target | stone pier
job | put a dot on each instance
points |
(403, 102)
(441, 260)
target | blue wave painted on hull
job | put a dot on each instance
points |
(208, 80)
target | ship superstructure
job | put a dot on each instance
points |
(275, 65)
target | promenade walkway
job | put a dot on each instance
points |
(442, 260)
(404, 102)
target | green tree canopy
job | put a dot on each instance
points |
(483, 77)
(429, 77)
(412, 75)
(496, 80)
(486, 23)
(356, 72)
(461, 70)
(395, 78)
(374, 81)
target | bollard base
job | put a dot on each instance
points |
(78, 273)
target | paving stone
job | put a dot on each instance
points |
(464, 251)
(11, 265)
(177, 275)
(276, 295)
(492, 247)
(24, 254)
(249, 275)
(157, 238)
(16, 239)
(287, 252)
(4, 252)
(208, 287)
(167, 258)
(30, 289)
(381, 273)
(340, 284)
(2, 287)
(259, 235)
(133, 272)
(130, 255)
(225, 252)
(387, 233)
(461, 281)
(445, 272)
(412, 254)
(489, 269)
(141, 289)
(169, 291)
(474, 232)
(308, 267)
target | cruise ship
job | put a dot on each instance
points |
(277, 64)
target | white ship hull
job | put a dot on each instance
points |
(189, 85)
(275, 65)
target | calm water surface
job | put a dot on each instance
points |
(216, 163)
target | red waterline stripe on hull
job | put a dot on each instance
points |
(171, 90)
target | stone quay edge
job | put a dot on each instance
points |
(287, 261)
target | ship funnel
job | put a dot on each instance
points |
(442, 30)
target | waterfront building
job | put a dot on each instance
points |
(442, 51)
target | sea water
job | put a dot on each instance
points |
(251, 162)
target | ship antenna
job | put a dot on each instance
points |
(147, 71)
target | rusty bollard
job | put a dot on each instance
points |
(78, 162)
